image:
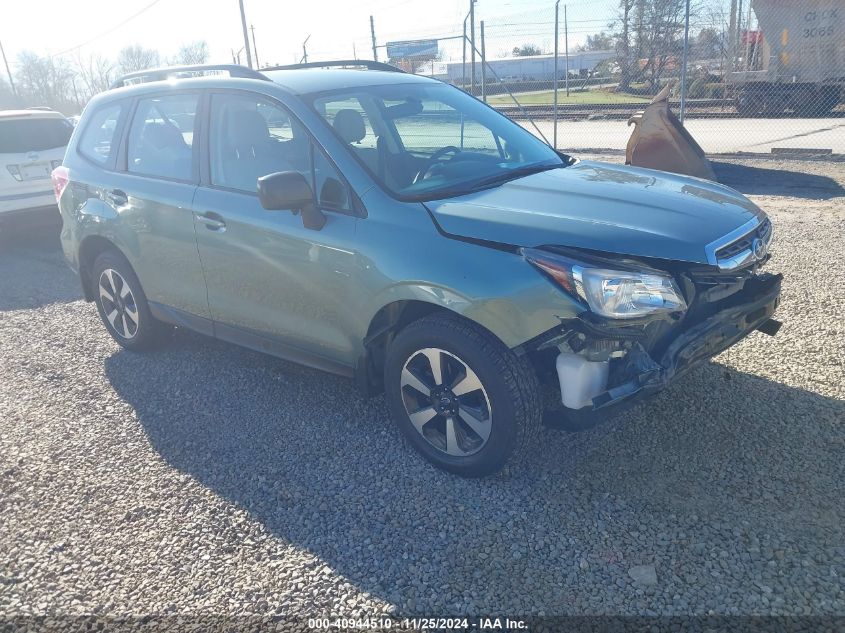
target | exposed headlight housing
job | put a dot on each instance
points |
(616, 294)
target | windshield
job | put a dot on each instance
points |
(424, 141)
(18, 136)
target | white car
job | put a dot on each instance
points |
(32, 144)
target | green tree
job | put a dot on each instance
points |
(527, 50)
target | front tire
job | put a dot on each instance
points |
(466, 402)
(123, 305)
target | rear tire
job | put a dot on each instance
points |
(123, 305)
(466, 402)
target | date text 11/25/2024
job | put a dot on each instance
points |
(418, 623)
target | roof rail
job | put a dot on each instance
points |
(167, 72)
(340, 63)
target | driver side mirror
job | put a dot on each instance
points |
(289, 191)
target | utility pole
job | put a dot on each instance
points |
(246, 34)
(8, 72)
(305, 50)
(483, 64)
(566, 47)
(254, 46)
(684, 65)
(373, 35)
(554, 80)
(472, 46)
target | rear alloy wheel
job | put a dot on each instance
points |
(122, 304)
(119, 304)
(466, 402)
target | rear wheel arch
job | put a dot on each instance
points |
(89, 250)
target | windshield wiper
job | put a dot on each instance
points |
(511, 174)
(483, 183)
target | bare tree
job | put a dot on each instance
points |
(193, 53)
(650, 40)
(95, 73)
(7, 97)
(136, 57)
(43, 81)
(624, 47)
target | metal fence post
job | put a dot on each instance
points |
(684, 65)
(483, 64)
(554, 80)
(472, 49)
(464, 58)
(566, 47)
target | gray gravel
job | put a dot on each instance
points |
(208, 478)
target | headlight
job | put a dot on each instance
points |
(618, 294)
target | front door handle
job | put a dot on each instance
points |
(118, 197)
(212, 221)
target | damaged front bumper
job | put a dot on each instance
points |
(646, 375)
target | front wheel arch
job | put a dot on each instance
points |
(384, 327)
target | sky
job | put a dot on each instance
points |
(337, 28)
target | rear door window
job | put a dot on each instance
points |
(36, 134)
(98, 141)
(161, 137)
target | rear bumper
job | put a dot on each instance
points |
(18, 203)
(44, 214)
(691, 347)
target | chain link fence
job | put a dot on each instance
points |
(745, 75)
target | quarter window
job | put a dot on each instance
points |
(161, 137)
(98, 141)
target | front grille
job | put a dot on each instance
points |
(763, 231)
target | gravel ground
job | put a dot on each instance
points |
(205, 478)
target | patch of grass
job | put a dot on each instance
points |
(586, 97)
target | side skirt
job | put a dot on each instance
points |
(248, 339)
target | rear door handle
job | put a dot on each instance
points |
(212, 221)
(118, 197)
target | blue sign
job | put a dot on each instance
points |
(426, 49)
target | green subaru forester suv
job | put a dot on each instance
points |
(394, 229)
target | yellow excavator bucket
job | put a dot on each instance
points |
(659, 141)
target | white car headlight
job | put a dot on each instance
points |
(617, 294)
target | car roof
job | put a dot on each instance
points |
(305, 81)
(30, 114)
(297, 82)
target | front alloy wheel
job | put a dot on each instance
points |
(466, 402)
(446, 402)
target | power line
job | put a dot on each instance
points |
(109, 31)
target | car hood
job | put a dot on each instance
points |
(603, 207)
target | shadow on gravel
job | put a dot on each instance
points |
(325, 471)
(751, 180)
(33, 271)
